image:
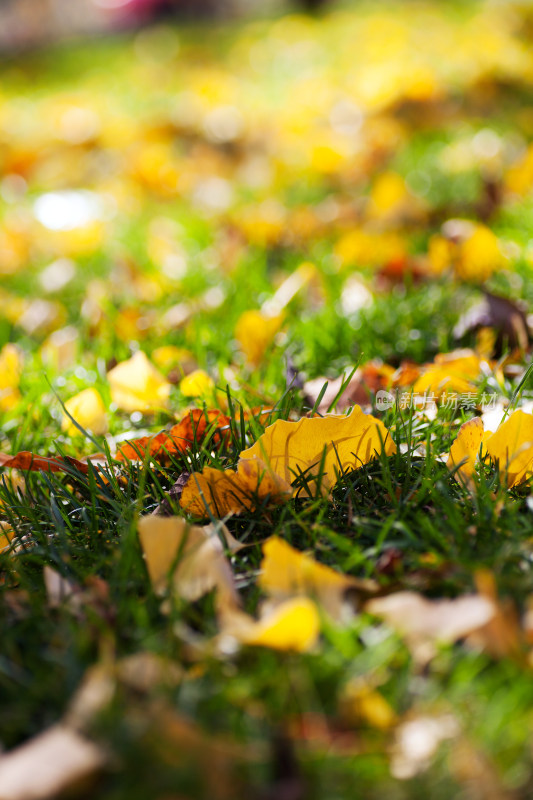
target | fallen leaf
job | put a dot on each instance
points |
(511, 447)
(417, 740)
(57, 760)
(291, 625)
(365, 381)
(192, 428)
(255, 332)
(285, 572)
(349, 441)
(88, 410)
(424, 623)
(10, 372)
(28, 460)
(362, 702)
(197, 384)
(221, 492)
(465, 449)
(136, 385)
(500, 315)
(189, 556)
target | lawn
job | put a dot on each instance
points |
(266, 419)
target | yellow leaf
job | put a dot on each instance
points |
(349, 441)
(197, 384)
(360, 701)
(136, 385)
(88, 410)
(292, 625)
(287, 572)
(464, 451)
(389, 195)
(512, 447)
(191, 556)
(222, 492)
(480, 255)
(255, 333)
(10, 371)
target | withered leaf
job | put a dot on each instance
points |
(289, 448)
(193, 427)
(190, 556)
(221, 492)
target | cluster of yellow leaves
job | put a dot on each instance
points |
(192, 559)
(473, 254)
(324, 446)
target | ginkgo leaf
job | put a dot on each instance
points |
(136, 385)
(465, 449)
(255, 332)
(192, 557)
(291, 625)
(89, 411)
(193, 427)
(511, 447)
(287, 572)
(220, 492)
(349, 441)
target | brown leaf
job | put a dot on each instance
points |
(506, 317)
(27, 460)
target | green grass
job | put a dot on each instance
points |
(267, 722)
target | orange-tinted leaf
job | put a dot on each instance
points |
(193, 427)
(220, 492)
(28, 460)
(289, 448)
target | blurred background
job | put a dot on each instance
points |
(28, 23)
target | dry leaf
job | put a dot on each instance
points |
(51, 763)
(197, 384)
(416, 742)
(424, 622)
(285, 572)
(290, 448)
(255, 332)
(506, 319)
(361, 702)
(465, 449)
(511, 447)
(365, 381)
(10, 372)
(221, 492)
(136, 385)
(192, 557)
(291, 625)
(28, 460)
(89, 411)
(193, 427)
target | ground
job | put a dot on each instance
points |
(216, 232)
